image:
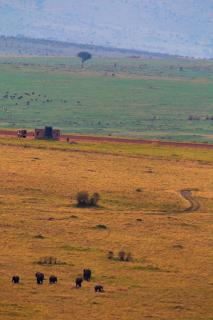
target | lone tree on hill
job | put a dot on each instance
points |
(84, 56)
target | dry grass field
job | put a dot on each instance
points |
(141, 206)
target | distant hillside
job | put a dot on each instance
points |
(38, 47)
(180, 27)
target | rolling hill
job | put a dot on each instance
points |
(175, 27)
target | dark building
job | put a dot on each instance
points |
(48, 133)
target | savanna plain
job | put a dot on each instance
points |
(156, 203)
(167, 99)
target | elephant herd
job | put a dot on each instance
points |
(87, 274)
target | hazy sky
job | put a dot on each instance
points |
(173, 26)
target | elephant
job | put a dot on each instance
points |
(78, 282)
(39, 277)
(15, 279)
(87, 273)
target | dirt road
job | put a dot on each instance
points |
(85, 138)
(193, 203)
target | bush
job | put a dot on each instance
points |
(39, 236)
(101, 226)
(84, 201)
(129, 257)
(110, 255)
(122, 255)
(94, 199)
(47, 260)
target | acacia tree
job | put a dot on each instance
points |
(84, 56)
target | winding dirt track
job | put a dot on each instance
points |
(85, 138)
(193, 203)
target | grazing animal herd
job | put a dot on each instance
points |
(87, 274)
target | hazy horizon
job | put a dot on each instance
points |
(161, 26)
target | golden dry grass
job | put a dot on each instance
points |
(171, 274)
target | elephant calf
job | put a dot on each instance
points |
(99, 288)
(53, 280)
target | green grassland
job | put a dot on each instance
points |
(129, 97)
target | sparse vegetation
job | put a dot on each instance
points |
(129, 257)
(50, 261)
(47, 260)
(125, 256)
(147, 268)
(177, 246)
(122, 256)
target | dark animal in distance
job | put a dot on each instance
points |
(39, 277)
(87, 273)
(15, 279)
(78, 282)
(99, 288)
(53, 280)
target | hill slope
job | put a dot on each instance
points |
(40, 47)
(177, 27)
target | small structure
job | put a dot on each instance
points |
(22, 133)
(48, 133)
